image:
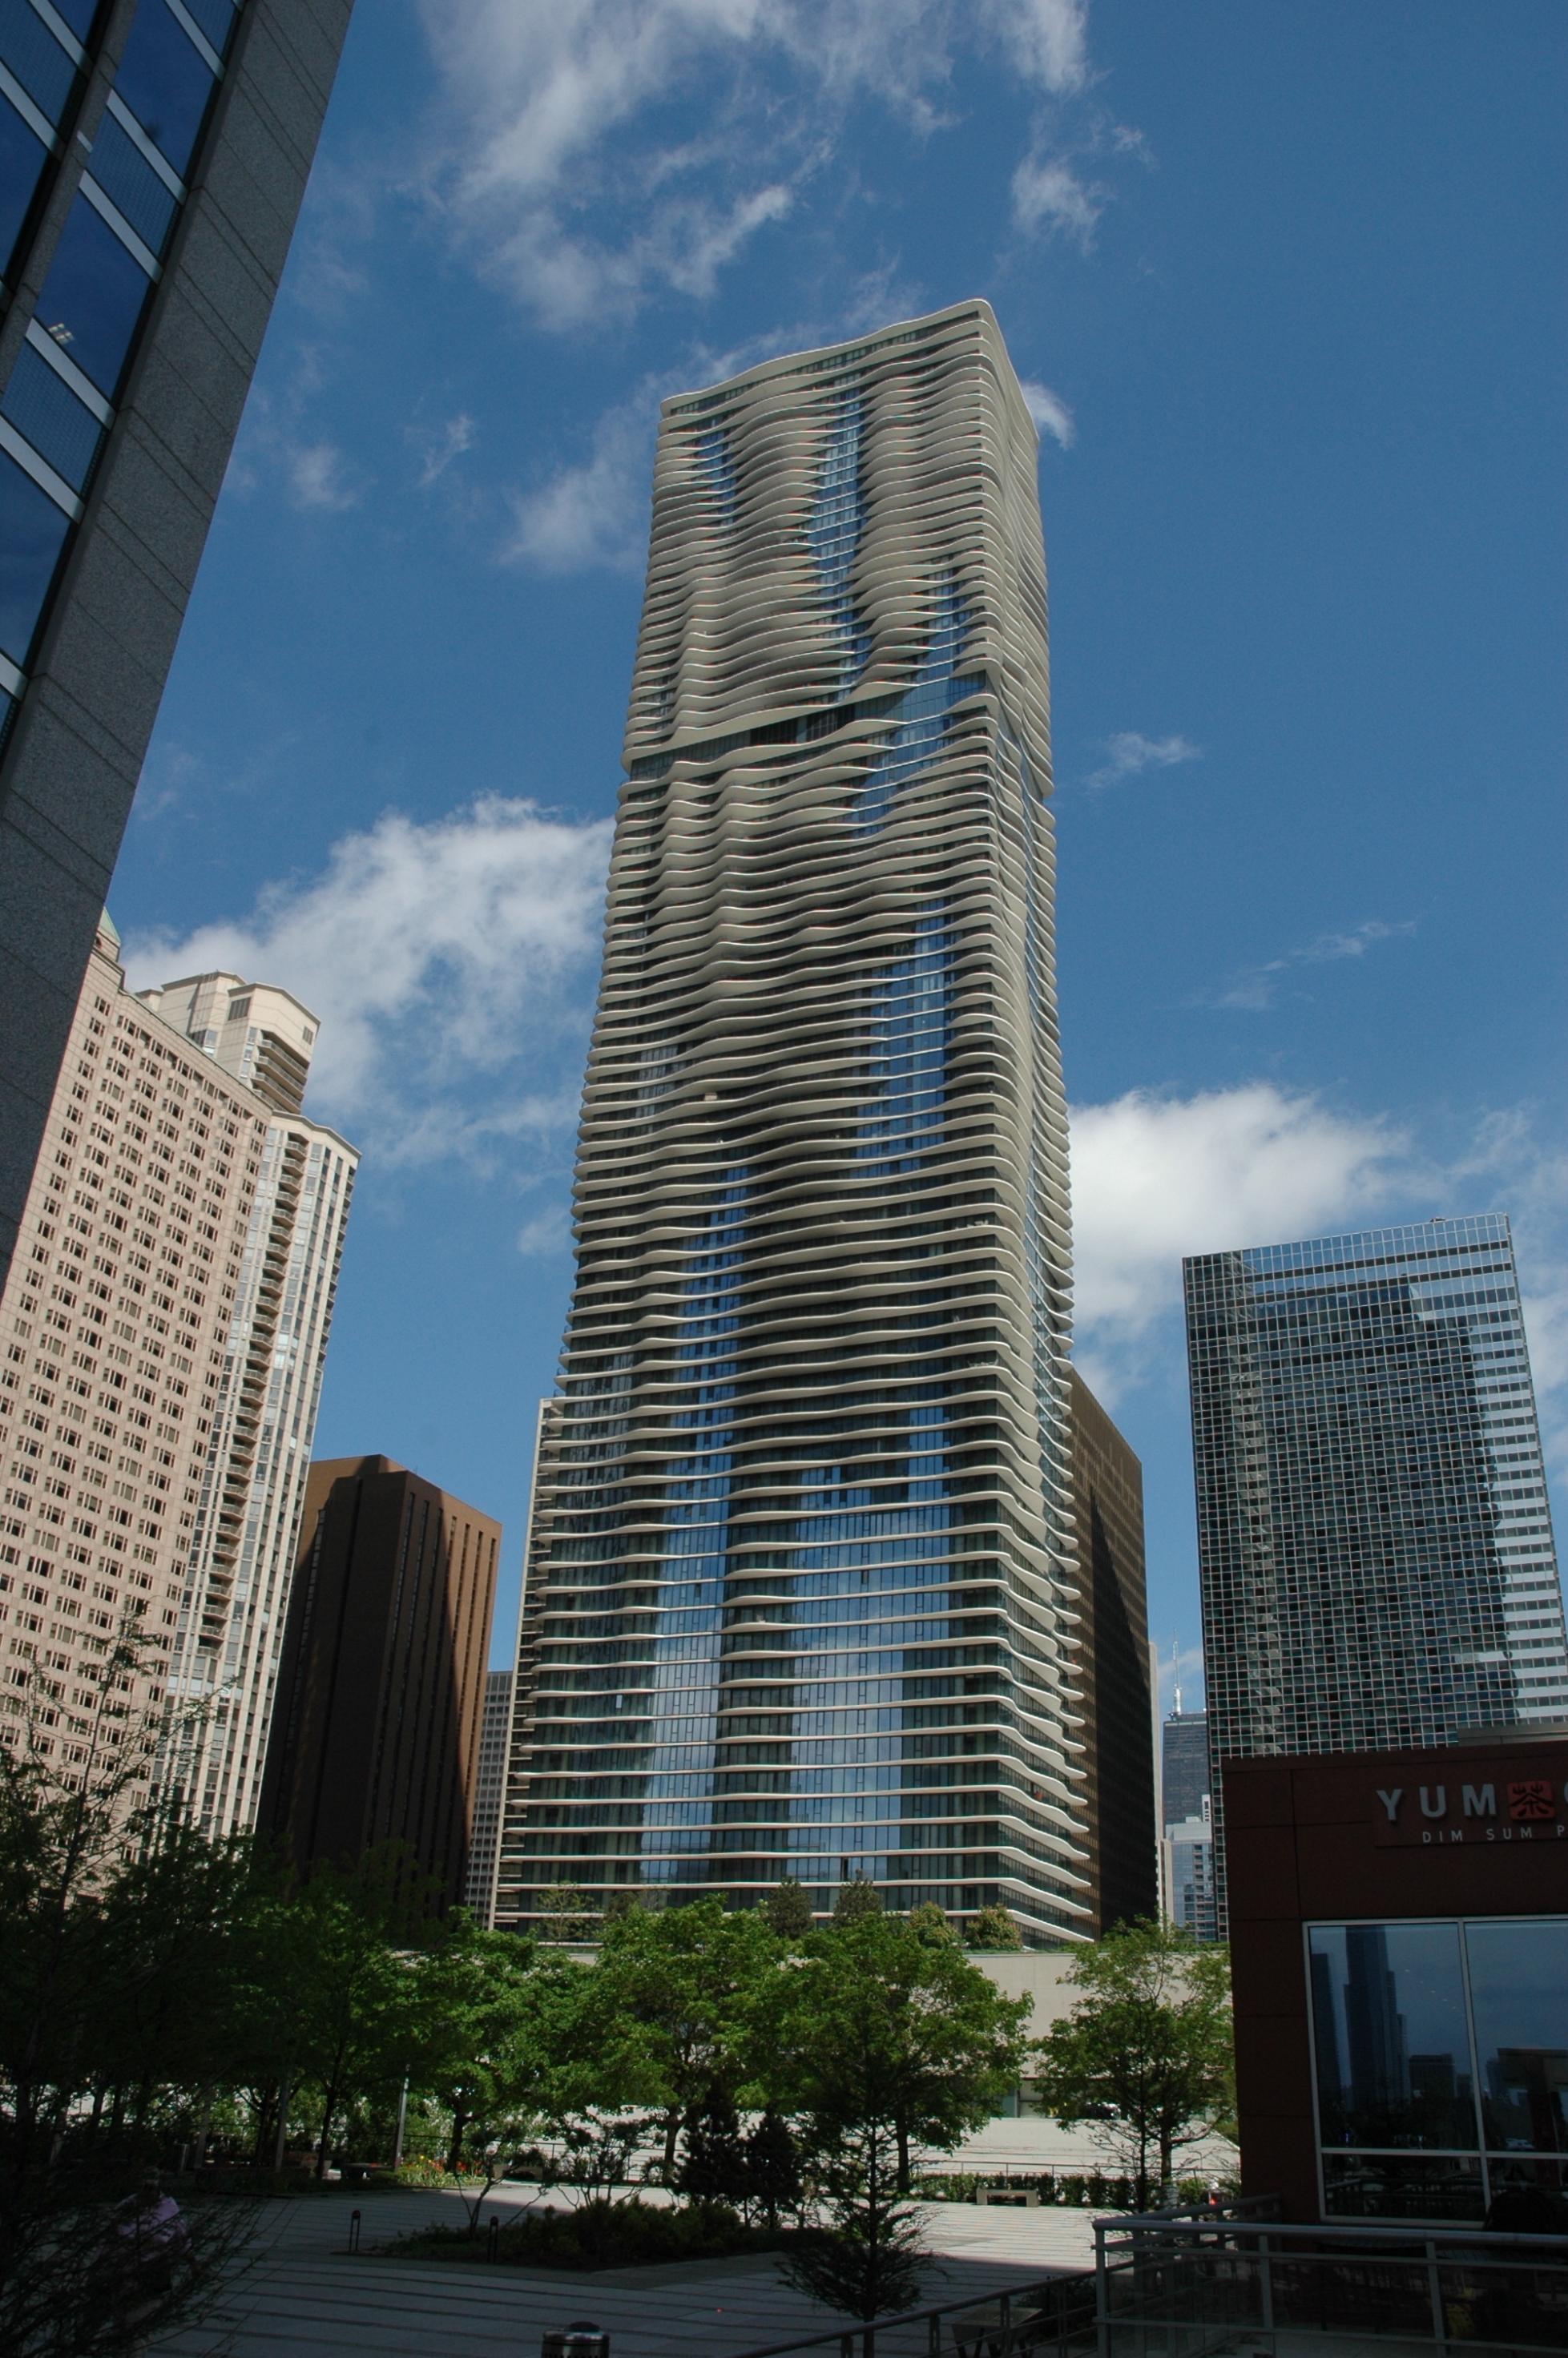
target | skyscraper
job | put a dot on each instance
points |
(382, 1686)
(1185, 1774)
(489, 1794)
(162, 1331)
(152, 153)
(803, 1591)
(1374, 1538)
(1115, 1669)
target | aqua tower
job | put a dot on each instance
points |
(801, 1578)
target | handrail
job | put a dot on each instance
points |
(844, 2337)
(1323, 2231)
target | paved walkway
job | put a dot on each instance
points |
(302, 2293)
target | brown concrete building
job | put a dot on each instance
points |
(375, 1736)
(1114, 1666)
(1399, 1925)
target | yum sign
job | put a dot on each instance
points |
(1514, 1805)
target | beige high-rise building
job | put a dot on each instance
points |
(162, 1336)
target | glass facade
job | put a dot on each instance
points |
(1439, 2056)
(1375, 1543)
(57, 405)
(801, 1568)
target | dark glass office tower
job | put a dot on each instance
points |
(803, 1591)
(1375, 1543)
(152, 153)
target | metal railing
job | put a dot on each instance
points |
(1177, 2288)
(1056, 2313)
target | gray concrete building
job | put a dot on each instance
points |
(153, 154)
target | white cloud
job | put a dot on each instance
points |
(546, 1234)
(1045, 39)
(1050, 413)
(439, 446)
(1158, 1178)
(550, 122)
(595, 512)
(317, 480)
(451, 961)
(1255, 987)
(1050, 195)
(1128, 752)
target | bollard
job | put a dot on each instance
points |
(353, 2231)
(581, 2339)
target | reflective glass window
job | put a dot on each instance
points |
(1402, 2186)
(216, 19)
(32, 533)
(132, 186)
(44, 408)
(1519, 1989)
(93, 297)
(164, 82)
(1391, 2041)
(43, 70)
(22, 159)
(77, 14)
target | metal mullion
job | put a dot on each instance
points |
(1464, 1925)
(32, 115)
(53, 485)
(63, 33)
(187, 24)
(109, 211)
(150, 154)
(65, 368)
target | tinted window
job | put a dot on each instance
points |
(164, 82)
(32, 533)
(1519, 1988)
(77, 14)
(216, 19)
(93, 297)
(35, 58)
(1390, 2036)
(22, 159)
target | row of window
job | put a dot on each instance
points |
(59, 402)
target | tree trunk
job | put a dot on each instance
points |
(455, 2151)
(671, 2131)
(329, 2107)
(900, 2130)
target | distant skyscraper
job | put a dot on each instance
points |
(1114, 1666)
(489, 1794)
(1374, 1538)
(163, 1332)
(1188, 1867)
(381, 1687)
(152, 153)
(803, 1591)
(1183, 1782)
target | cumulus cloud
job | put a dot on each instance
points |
(1048, 194)
(1050, 413)
(1128, 752)
(1158, 1178)
(1256, 987)
(554, 162)
(451, 962)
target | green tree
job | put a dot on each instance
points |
(788, 1909)
(677, 1991)
(336, 1984)
(930, 1923)
(1149, 2036)
(858, 1897)
(882, 2035)
(993, 1927)
(567, 1919)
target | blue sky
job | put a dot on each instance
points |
(1285, 284)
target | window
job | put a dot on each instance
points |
(1440, 2051)
(164, 82)
(22, 159)
(32, 533)
(93, 297)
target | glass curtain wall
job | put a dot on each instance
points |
(1439, 2053)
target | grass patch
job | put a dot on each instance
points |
(628, 2235)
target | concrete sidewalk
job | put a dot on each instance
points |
(301, 2292)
